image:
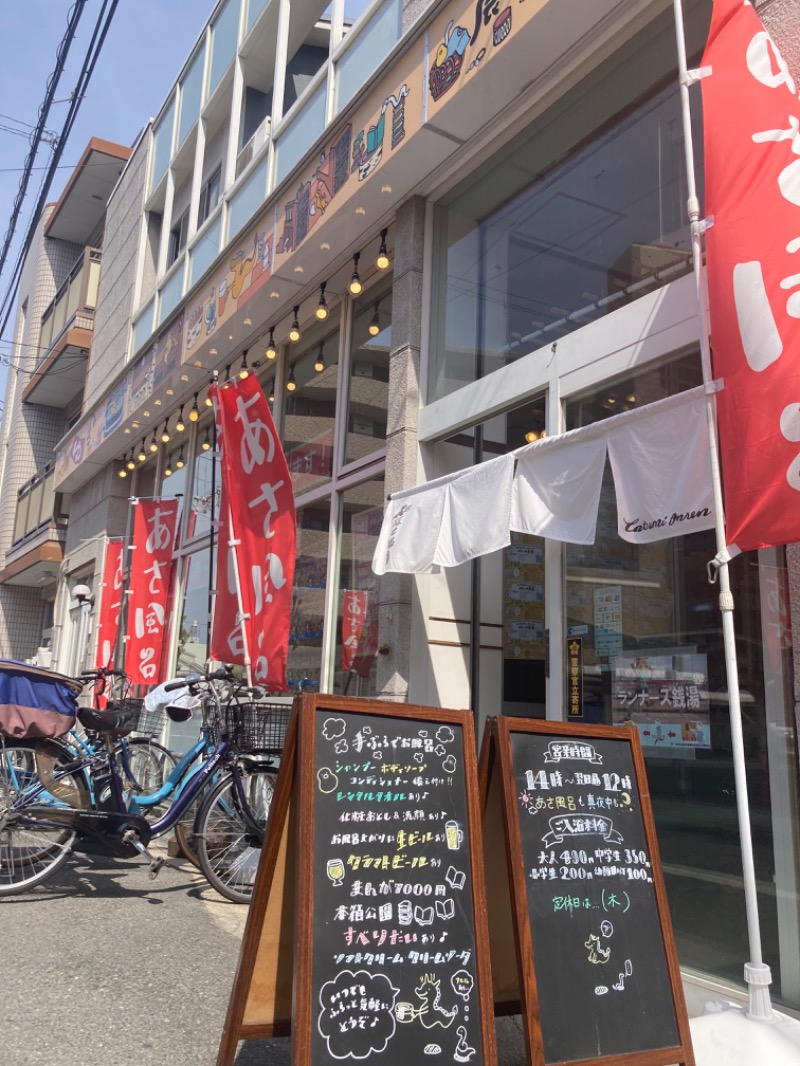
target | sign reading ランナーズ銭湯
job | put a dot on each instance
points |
(588, 897)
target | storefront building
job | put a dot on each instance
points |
(523, 170)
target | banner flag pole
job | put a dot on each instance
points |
(756, 973)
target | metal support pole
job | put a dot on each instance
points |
(756, 973)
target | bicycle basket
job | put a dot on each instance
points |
(147, 722)
(258, 727)
(36, 702)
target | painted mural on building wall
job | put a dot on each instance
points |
(248, 267)
(461, 43)
(348, 158)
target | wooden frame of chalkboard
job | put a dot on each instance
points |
(372, 867)
(444, 983)
(598, 974)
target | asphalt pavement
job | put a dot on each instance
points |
(103, 967)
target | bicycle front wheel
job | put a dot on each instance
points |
(227, 847)
(32, 851)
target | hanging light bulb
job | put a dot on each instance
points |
(322, 311)
(142, 453)
(122, 470)
(291, 384)
(153, 443)
(208, 401)
(194, 414)
(272, 397)
(165, 436)
(206, 445)
(294, 332)
(168, 469)
(271, 350)
(131, 465)
(243, 369)
(383, 261)
(355, 286)
(180, 462)
(319, 365)
(375, 325)
(180, 425)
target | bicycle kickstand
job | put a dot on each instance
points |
(130, 837)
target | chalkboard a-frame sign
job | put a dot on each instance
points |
(373, 859)
(597, 971)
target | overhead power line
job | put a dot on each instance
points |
(99, 34)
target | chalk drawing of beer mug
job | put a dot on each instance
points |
(405, 912)
(454, 835)
(335, 870)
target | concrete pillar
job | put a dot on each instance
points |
(396, 590)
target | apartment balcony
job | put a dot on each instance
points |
(40, 530)
(66, 336)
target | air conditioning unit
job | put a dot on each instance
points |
(253, 146)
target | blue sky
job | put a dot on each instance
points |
(146, 45)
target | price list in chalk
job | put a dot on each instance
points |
(597, 941)
(393, 967)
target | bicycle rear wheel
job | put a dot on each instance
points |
(32, 851)
(228, 849)
(144, 767)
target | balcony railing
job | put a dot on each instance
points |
(77, 296)
(39, 506)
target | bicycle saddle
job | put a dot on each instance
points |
(108, 720)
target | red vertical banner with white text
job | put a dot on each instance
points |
(110, 605)
(154, 525)
(751, 118)
(354, 616)
(260, 519)
(227, 638)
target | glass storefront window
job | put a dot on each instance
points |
(369, 376)
(192, 646)
(205, 493)
(310, 413)
(356, 648)
(304, 665)
(652, 655)
(579, 216)
(174, 484)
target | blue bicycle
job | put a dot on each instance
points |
(50, 803)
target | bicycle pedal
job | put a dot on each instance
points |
(155, 868)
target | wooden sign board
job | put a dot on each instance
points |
(597, 972)
(372, 863)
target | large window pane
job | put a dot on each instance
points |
(304, 665)
(306, 126)
(191, 95)
(205, 484)
(171, 293)
(247, 199)
(205, 251)
(224, 38)
(162, 145)
(192, 639)
(368, 51)
(564, 229)
(369, 376)
(354, 668)
(310, 412)
(254, 9)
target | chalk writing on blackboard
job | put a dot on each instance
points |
(394, 943)
(595, 931)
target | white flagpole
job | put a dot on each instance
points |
(756, 973)
(233, 544)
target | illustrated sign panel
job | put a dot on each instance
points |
(603, 982)
(394, 954)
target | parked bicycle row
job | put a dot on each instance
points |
(97, 776)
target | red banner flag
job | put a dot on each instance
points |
(260, 510)
(154, 525)
(110, 604)
(227, 638)
(752, 173)
(354, 616)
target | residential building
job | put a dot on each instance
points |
(489, 202)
